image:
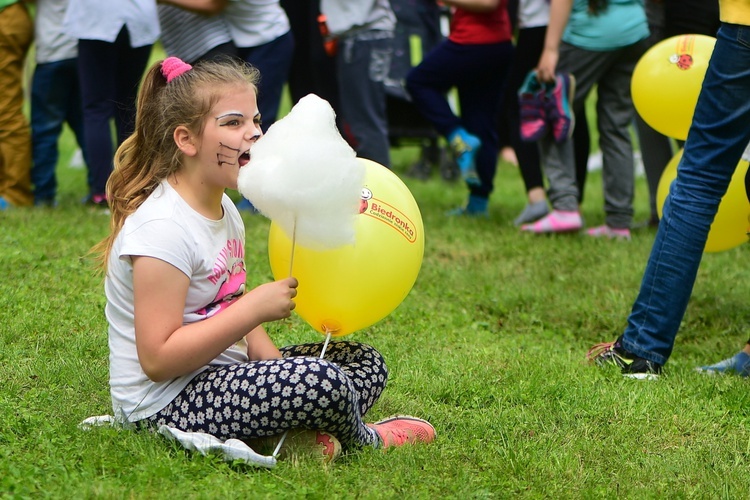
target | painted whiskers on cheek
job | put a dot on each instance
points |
(225, 157)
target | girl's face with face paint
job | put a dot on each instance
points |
(230, 130)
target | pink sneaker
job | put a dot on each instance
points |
(533, 105)
(609, 232)
(557, 221)
(403, 429)
(560, 106)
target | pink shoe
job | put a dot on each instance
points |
(557, 221)
(609, 232)
(403, 429)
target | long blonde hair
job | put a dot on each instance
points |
(150, 154)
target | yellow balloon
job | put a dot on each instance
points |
(730, 225)
(667, 80)
(352, 287)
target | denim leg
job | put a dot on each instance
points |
(717, 138)
(49, 100)
(363, 62)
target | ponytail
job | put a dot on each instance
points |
(170, 96)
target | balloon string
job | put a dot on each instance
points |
(325, 344)
(278, 446)
(294, 243)
(291, 266)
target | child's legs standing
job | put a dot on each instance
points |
(558, 159)
(362, 64)
(480, 93)
(431, 79)
(97, 69)
(131, 63)
(615, 115)
(49, 103)
(266, 398)
(74, 112)
(16, 33)
(528, 49)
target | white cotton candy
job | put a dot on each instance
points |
(305, 177)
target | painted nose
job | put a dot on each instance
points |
(254, 134)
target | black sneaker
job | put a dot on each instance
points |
(632, 366)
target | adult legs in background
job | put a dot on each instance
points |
(614, 115)
(528, 48)
(362, 65)
(273, 59)
(109, 76)
(478, 73)
(656, 152)
(656, 149)
(55, 99)
(313, 71)
(16, 32)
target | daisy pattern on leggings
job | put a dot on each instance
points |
(299, 390)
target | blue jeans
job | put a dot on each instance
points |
(55, 99)
(362, 64)
(717, 138)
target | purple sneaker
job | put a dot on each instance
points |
(559, 106)
(532, 101)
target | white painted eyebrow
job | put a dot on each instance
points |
(230, 113)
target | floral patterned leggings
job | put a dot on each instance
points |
(298, 390)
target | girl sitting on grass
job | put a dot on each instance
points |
(187, 343)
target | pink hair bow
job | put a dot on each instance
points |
(172, 67)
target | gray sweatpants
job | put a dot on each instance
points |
(611, 71)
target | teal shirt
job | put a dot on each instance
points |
(622, 23)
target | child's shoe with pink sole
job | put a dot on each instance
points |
(557, 221)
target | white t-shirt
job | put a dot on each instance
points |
(52, 44)
(533, 13)
(346, 16)
(255, 22)
(210, 252)
(103, 20)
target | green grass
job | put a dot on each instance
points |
(489, 346)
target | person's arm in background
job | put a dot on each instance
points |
(559, 13)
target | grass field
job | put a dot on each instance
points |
(489, 346)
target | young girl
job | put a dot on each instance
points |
(599, 42)
(187, 345)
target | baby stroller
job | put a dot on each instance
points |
(418, 30)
